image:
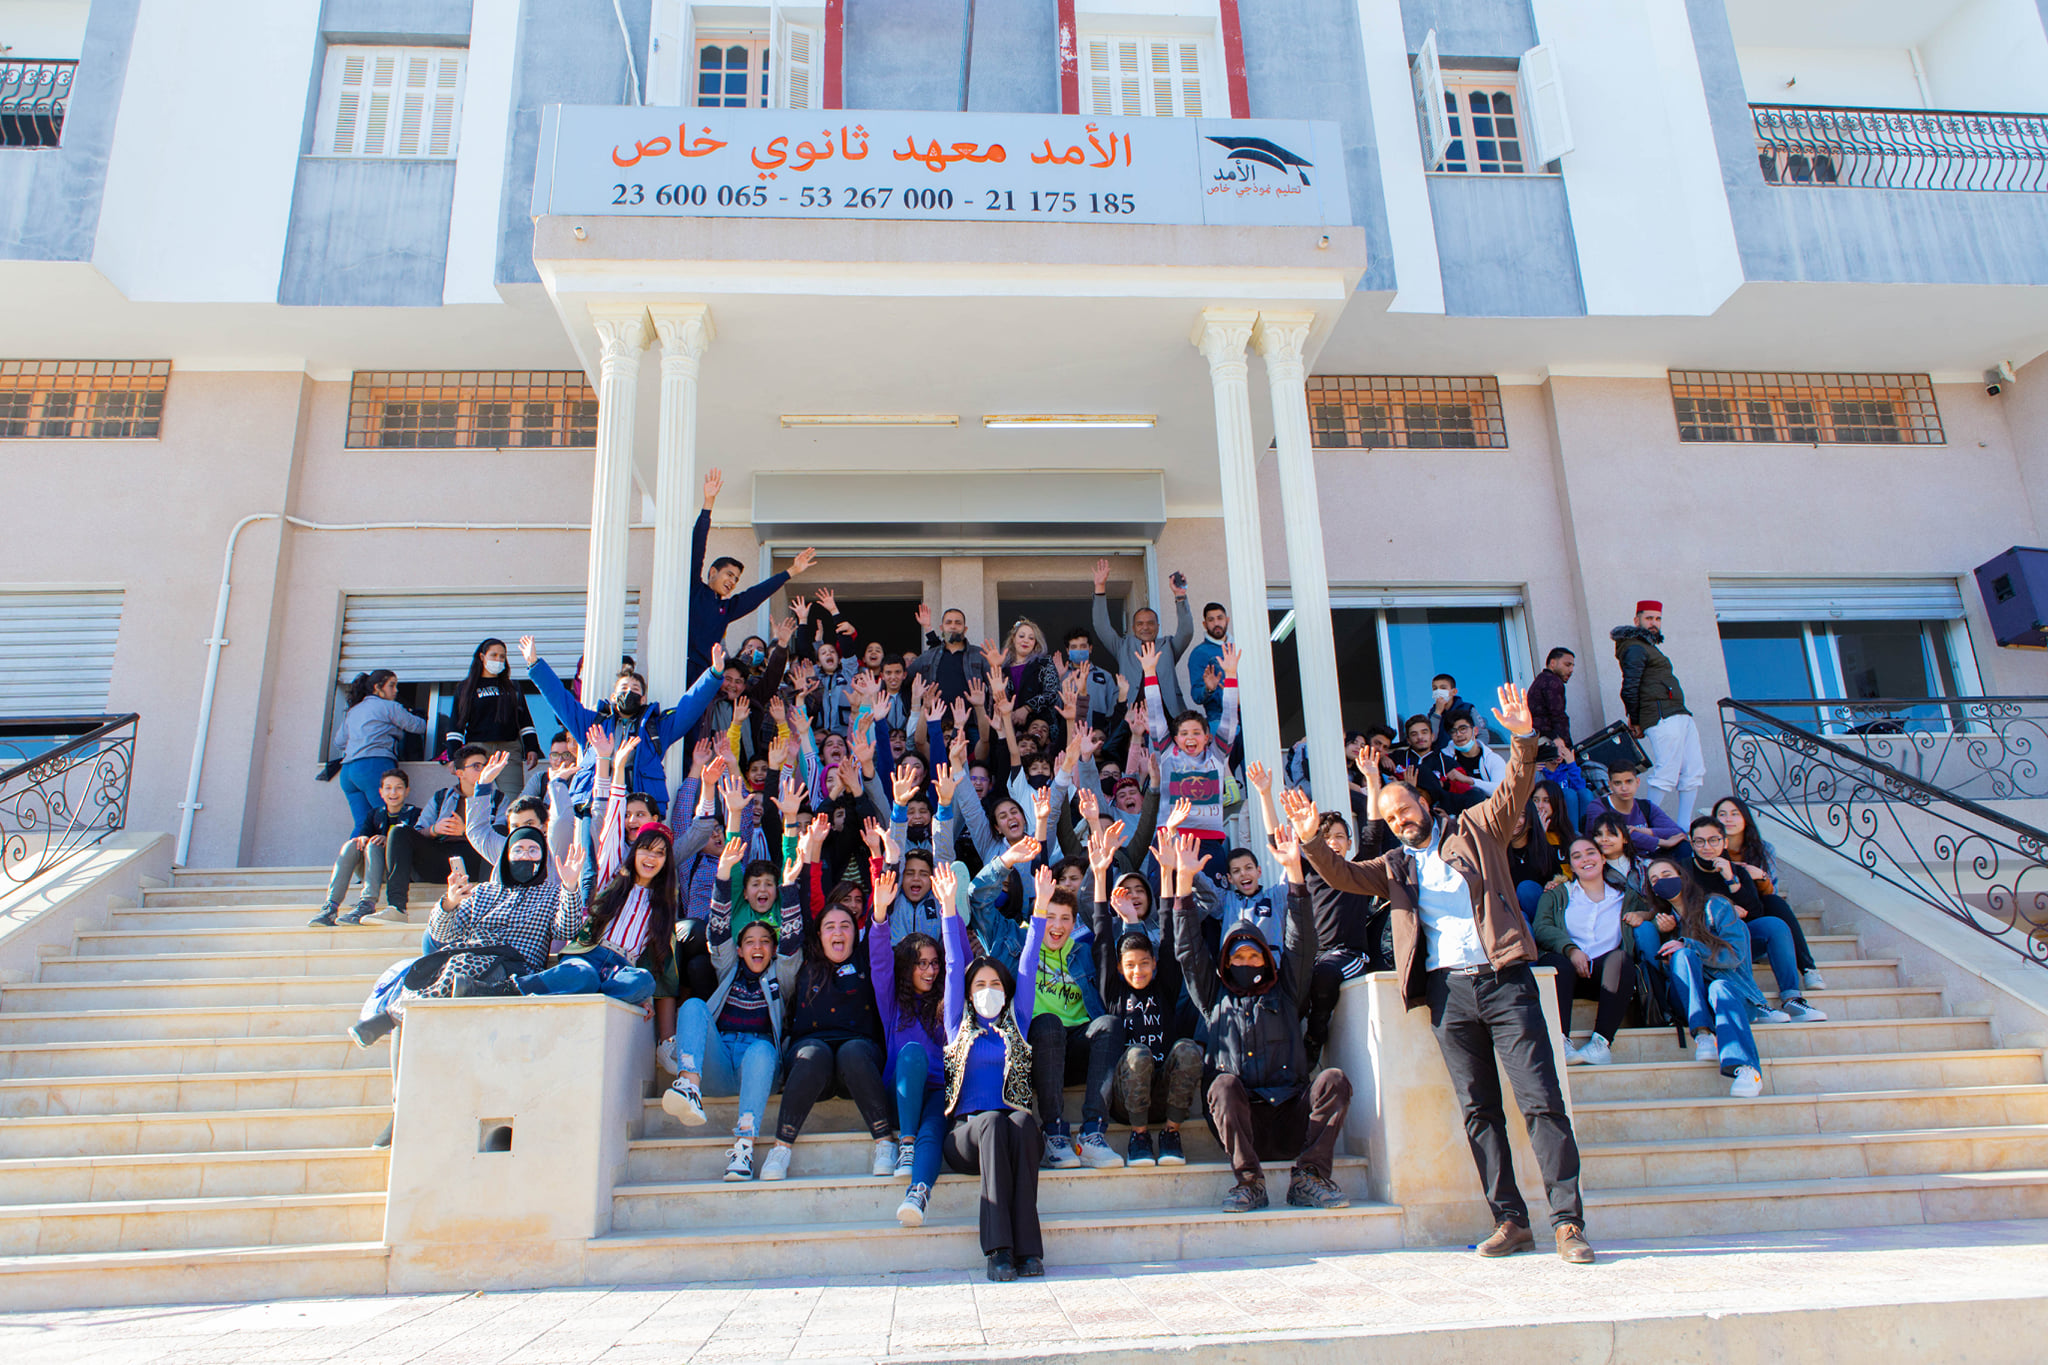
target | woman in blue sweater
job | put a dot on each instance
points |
(993, 1129)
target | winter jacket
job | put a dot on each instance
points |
(657, 727)
(1256, 1037)
(1547, 707)
(1125, 648)
(1552, 936)
(1649, 686)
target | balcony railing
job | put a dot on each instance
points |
(1900, 149)
(32, 100)
(63, 787)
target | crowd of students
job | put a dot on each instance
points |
(949, 885)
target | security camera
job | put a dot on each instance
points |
(1997, 377)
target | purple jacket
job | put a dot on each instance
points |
(897, 1030)
(1547, 708)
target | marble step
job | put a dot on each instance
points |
(204, 1021)
(224, 965)
(229, 1274)
(833, 1115)
(187, 1056)
(305, 875)
(821, 1152)
(1840, 1202)
(245, 917)
(1814, 1156)
(229, 1090)
(1776, 1115)
(1840, 974)
(821, 1249)
(1833, 1037)
(402, 940)
(806, 1198)
(155, 1224)
(1813, 1075)
(186, 992)
(308, 893)
(192, 1175)
(218, 1130)
(1833, 948)
(1862, 1002)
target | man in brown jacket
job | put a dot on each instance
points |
(1462, 947)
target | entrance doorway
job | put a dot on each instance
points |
(892, 620)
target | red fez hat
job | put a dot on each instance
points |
(1647, 605)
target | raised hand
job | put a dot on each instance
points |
(1101, 575)
(924, 616)
(1102, 848)
(800, 606)
(828, 600)
(1021, 852)
(718, 658)
(904, 785)
(992, 652)
(731, 856)
(946, 778)
(1148, 658)
(885, 896)
(1212, 677)
(1230, 655)
(812, 844)
(785, 631)
(1181, 810)
(871, 835)
(1126, 905)
(596, 737)
(778, 753)
(778, 712)
(1287, 849)
(1090, 804)
(714, 483)
(935, 707)
(790, 800)
(742, 707)
(802, 564)
(700, 756)
(1302, 812)
(1041, 805)
(945, 885)
(1261, 780)
(622, 762)
(1512, 714)
(1042, 886)
(527, 651)
(1189, 849)
(492, 767)
(735, 793)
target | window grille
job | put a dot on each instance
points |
(93, 400)
(1805, 409)
(1376, 412)
(477, 410)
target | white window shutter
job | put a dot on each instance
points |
(1547, 126)
(801, 67)
(1188, 77)
(342, 102)
(444, 104)
(1099, 76)
(670, 61)
(390, 102)
(1429, 100)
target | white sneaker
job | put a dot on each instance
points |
(1096, 1153)
(1749, 1083)
(1801, 1012)
(739, 1159)
(1706, 1048)
(906, 1157)
(910, 1213)
(685, 1102)
(1810, 978)
(1595, 1052)
(885, 1157)
(665, 1055)
(1060, 1153)
(390, 916)
(1571, 1053)
(776, 1167)
(1770, 1016)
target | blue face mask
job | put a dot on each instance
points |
(1077, 656)
(756, 657)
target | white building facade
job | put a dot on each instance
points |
(1566, 305)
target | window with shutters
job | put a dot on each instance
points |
(751, 58)
(475, 410)
(732, 70)
(1151, 75)
(1486, 135)
(1805, 409)
(1490, 116)
(90, 400)
(390, 101)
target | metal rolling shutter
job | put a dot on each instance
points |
(57, 650)
(1837, 599)
(431, 636)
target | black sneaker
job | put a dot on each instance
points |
(1307, 1190)
(366, 1032)
(1000, 1267)
(1169, 1148)
(1030, 1267)
(325, 919)
(1139, 1151)
(1248, 1197)
(356, 915)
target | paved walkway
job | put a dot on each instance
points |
(1074, 1310)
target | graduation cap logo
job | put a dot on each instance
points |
(1249, 153)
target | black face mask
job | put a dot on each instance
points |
(523, 871)
(628, 704)
(1668, 888)
(1245, 980)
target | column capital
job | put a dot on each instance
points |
(1220, 334)
(621, 335)
(1281, 337)
(685, 330)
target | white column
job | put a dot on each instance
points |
(1279, 338)
(1221, 335)
(621, 336)
(685, 332)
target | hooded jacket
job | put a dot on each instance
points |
(1649, 685)
(1257, 1035)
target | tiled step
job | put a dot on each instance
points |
(187, 1056)
(1857, 1112)
(402, 940)
(1862, 1002)
(835, 1115)
(131, 1094)
(819, 1152)
(307, 875)
(308, 894)
(1833, 948)
(192, 1175)
(220, 1130)
(805, 1198)
(243, 917)
(1813, 1075)
(1835, 1037)
(186, 992)
(743, 1252)
(156, 1224)
(194, 1275)
(369, 958)
(1840, 974)
(1775, 1206)
(204, 1021)
(1814, 1156)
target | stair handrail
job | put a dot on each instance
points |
(58, 800)
(1789, 771)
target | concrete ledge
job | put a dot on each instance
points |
(79, 893)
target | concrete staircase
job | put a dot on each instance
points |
(1892, 1111)
(181, 1113)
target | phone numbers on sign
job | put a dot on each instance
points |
(1060, 202)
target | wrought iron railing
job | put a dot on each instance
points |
(1901, 149)
(1985, 868)
(33, 97)
(64, 787)
(1979, 748)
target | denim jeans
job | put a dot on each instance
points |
(601, 971)
(740, 1064)
(1769, 938)
(1531, 895)
(586, 836)
(921, 1109)
(359, 785)
(1713, 1005)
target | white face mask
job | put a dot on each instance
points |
(493, 667)
(988, 1001)
(1442, 694)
